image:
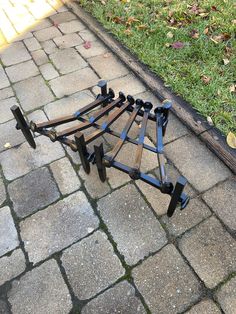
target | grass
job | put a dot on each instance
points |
(203, 70)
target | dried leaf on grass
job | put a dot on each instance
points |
(232, 88)
(177, 45)
(194, 34)
(205, 79)
(231, 140)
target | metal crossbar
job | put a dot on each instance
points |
(110, 109)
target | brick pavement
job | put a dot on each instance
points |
(70, 244)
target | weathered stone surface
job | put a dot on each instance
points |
(57, 226)
(205, 307)
(22, 71)
(97, 49)
(5, 112)
(33, 93)
(41, 290)
(210, 250)
(47, 33)
(6, 92)
(45, 23)
(202, 168)
(37, 116)
(108, 68)
(40, 57)
(71, 27)
(73, 82)
(132, 224)
(32, 44)
(4, 82)
(34, 191)
(91, 265)
(166, 282)
(67, 41)
(222, 200)
(3, 307)
(9, 134)
(8, 234)
(11, 266)
(87, 35)
(68, 60)
(65, 176)
(182, 220)
(49, 46)
(68, 105)
(226, 296)
(63, 17)
(14, 53)
(19, 161)
(119, 299)
(93, 184)
(48, 71)
(128, 84)
(2, 192)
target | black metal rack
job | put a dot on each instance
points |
(111, 109)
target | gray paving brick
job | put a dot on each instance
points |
(74, 156)
(45, 23)
(222, 200)
(210, 250)
(73, 82)
(166, 282)
(9, 134)
(128, 84)
(19, 161)
(119, 299)
(206, 306)
(67, 60)
(6, 92)
(22, 71)
(68, 105)
(5, 112)
(71, 27)
(49, 46)
(97, 48)
(48, 71)
(132, 224)
(41, 290)
(11, 266)
(33, 93)
(65, 176)
(32, 44)
(3, 307)
(226, 296)
(40, 57)
(37, 116)
(108, 68)
(93, 184)
(63, 17)
(87, 35)
(59, 225)
(2, 192)
(91, 265)
(14, 53)
(200, 166)
(8, 234)
(47, 33)
(4, 82)
(182, 220)
(67, 41)
(34, 191)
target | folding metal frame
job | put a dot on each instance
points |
(110, 109)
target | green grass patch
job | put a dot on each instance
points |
(203, 70)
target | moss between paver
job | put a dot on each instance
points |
(203, 70)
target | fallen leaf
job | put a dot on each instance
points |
(87, 45)
(231, 140)
(226, 61)
(128, 32)
(209, 120)
(206, 79)
(206, 30)
(232, 88)
(194, 34)
(131, 20)
(118, 20)
(7, 145)
(177, 45)
(214, 8)
(167, 45)
(142, 26)
(169, 35)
